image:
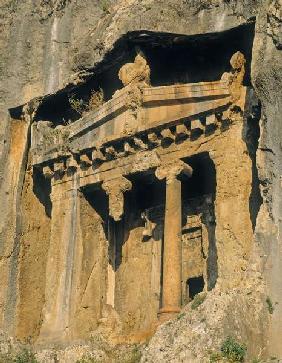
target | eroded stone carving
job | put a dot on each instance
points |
(236, 76)
(137, 72)
(274, 20)
(149, 225)
(172, 170)
(115, 189)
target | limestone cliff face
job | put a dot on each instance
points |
(48, 44)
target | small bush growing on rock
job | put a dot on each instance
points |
(269, 305)
(215, 357)
(131, 356)
(198, 300)
(233, 350)
(87, 360)
(180, 316)
(25, 356)
(96, 99)
(105, 5)
(78, 105)
(81, 106)
(6, 358)
(135, 356)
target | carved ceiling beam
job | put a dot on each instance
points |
(85, 160)
(182, 132)
(110, 152)
(153, 139)
(98, 156)
(71, 164)
(59, 168)
(128, 149)
(140, 143)
(167, 135)
(197, 126)
(211, 120)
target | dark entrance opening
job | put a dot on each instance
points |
(194, 286)
(202, 186)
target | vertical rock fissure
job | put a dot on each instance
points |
(251, 135)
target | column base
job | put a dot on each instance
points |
(167, 313)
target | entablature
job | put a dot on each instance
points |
(141, 118)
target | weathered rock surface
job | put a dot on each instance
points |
(44, 45)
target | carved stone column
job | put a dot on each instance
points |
(115, 189)
(172, 252)
(111, 278)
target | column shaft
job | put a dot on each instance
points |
(110, 300)
(172, 253)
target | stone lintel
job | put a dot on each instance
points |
(115, 189)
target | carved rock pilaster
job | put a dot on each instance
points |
(115, 189)
(172, 170)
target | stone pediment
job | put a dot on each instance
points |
(179, 101)
(140, 117)
(157, 108)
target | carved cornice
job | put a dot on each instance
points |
(114, 131)
(115, 189)
(172, 170)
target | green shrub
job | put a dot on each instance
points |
(6, 358)
(78, 105)
(96, 99)
(233, 350)
(25, 356)
(180, 316)
(215, 357)
(105, 5)
(133, 356)
(269, 305)
(198, 300)
(87, 360)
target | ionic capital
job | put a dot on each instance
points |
(172, 170)
(115, 189)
